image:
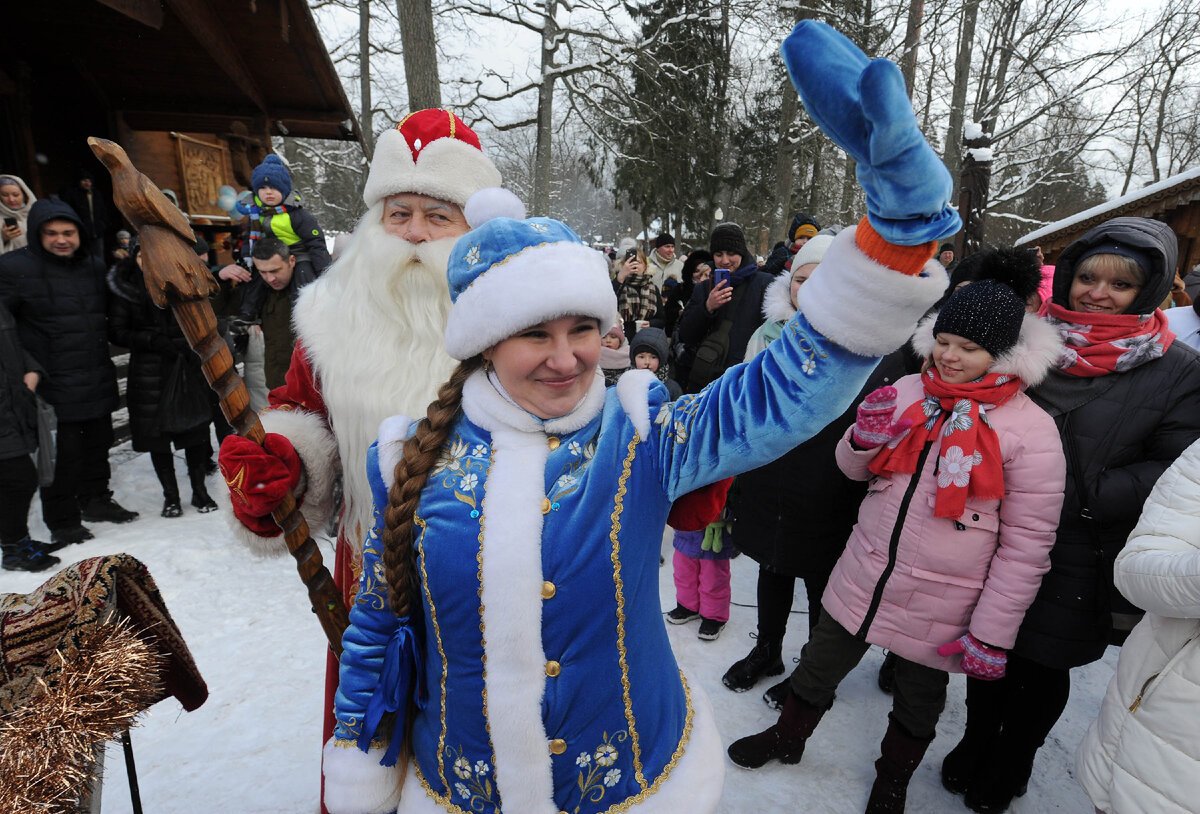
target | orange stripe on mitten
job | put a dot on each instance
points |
(904, 259)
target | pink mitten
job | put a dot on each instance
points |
(874, 426)
(979, 660)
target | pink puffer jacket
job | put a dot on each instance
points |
(943, 578)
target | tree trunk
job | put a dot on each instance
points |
(420, 53)
(912, 41)
(785, 153)
(849, 185)
(973, 198)
(365, 117)
(958, 100)
(545, 114)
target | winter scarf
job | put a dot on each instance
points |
(970, 464)
(257, 210)
(637, 297)
(1099, 344)
(21, 214)
(615, 358)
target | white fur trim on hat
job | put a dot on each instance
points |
(355, 783)
(446, 169)
(864, 306)
(1038, 348)
(538, 284)
(492, 202)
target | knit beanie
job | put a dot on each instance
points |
(507, 274)
(430, 152)
(653, 340)
(946, 247)
(664, 239)
(812, 251)
(804, 225)
(272, 173)
(990, 310)
(728, 237)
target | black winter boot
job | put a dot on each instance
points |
(765, 659)
(196, 472)
(164, 468)
(899, 755)
(27, 555)
(103, 509)
(887, 673)
(784, 741)
(971, 757)
(1008, 778)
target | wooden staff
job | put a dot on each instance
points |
(176, 278)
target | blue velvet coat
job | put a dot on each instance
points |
(547, 679)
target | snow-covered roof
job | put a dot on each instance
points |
(1184, 187)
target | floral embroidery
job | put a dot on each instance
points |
(955, 467)
(474, 786)
(808, 367)
(472, 256)
(540, 228)
(597, 770)
(569, 481)
(462, 467)
(372, 587)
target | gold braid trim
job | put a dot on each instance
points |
(615, 536)
(437, 634)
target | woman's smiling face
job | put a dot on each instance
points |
(548, 368)
(1105, 284)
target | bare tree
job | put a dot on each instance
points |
(420, 53)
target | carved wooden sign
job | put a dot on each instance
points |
(202, 170)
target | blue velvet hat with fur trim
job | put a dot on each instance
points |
(507, 274)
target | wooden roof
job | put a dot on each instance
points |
(1159, 201)
(191, 65)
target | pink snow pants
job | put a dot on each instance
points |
(702, 585)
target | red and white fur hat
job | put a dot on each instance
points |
(430, 152)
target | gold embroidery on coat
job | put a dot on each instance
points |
(437, 634)
(615, 536)
(487, 725)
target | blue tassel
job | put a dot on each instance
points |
(402, 674)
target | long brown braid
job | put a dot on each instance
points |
(421, 452)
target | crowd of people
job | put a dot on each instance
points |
(985, 465)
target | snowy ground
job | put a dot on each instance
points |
(254, 746)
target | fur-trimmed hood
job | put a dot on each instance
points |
(1036, 351)
(777, 299)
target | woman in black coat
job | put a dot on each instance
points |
(1126, 399)
(156, 345)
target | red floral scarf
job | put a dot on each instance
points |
(970, 463)
(1099, 344)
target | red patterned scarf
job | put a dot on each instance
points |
(1099, 344)
(970, 463)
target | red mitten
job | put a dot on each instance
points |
(695, 510)
(258, 477)
(873, 426)
(979, 660)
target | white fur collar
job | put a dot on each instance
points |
(777, 299)
(1036, 351)
(488, 409)
(633, 391)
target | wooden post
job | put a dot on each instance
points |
(177, 279)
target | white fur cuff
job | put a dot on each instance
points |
(867, 308)
(318, 451)
(355, 783)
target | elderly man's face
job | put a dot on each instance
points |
(420, 218)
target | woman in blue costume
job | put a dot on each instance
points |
(508, 626)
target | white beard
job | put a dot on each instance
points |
(374, 327)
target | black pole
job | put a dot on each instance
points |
(131, 770)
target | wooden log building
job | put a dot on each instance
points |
(192, 89)
(1174, 201)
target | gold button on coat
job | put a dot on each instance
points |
(548, 590)
(558, 746)
(546, 505)
(553, 442)
(553, 668)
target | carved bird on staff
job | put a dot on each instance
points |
(168, 263)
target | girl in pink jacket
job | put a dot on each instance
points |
(966, 485)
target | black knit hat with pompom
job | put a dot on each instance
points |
(990, 310)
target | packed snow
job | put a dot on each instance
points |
(254, 746)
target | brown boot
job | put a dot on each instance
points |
(900, 754)
(784, 741)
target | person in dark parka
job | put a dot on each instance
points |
(156, 345)
(1126, 399)
(19, 378)
(57, 292)
(726, 313)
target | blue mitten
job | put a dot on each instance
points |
(862, 106)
